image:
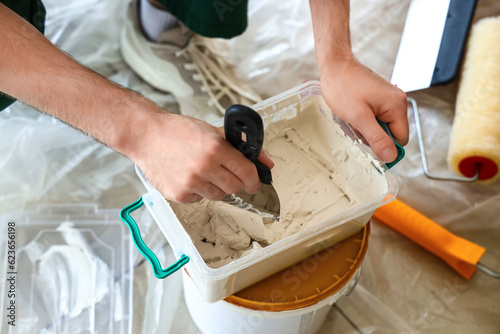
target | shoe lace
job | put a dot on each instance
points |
(212, 70)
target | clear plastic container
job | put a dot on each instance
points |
(73, 271)
(216, 284)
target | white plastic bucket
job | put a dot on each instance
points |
(225, 317)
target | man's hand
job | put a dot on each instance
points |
(187, 159)
(352, 91)
(359, 96)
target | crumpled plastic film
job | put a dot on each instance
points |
(403, 288)
(277, 44)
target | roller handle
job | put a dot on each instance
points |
(241, 119)
(461, 254)
(400, 149)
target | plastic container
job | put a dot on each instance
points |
(296, 300)
(217, 284)
(73, 271)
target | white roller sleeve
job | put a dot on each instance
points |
(475, 138)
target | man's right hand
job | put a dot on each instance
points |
(187, 159)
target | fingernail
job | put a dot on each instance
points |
(389, 154)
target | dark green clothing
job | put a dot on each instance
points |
(32, 11)
(210, 18)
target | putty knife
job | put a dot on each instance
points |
(240, 121)
(432, 43)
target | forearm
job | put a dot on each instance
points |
(39, 74)
(332, 39)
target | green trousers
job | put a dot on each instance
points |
(210, 18)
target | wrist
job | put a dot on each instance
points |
(138, 117)
(335, 60)
(335, 51)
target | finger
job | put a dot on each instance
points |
(235, 162)
(376, 137)
(225, 180)
(185, 198)
(397, 117)
(246, 172)
(194, 198)
(211, 192)
(400, 130)
(264, 158)
(220, 131)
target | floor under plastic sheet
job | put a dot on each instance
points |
(403, 288)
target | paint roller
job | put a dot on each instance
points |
(475, 138)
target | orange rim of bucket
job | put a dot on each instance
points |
(338, 264)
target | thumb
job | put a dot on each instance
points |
(264, 158)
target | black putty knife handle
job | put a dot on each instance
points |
(400, 149)
(241, 119)
(456, 29)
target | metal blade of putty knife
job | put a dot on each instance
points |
(432, 43)
(240, 120)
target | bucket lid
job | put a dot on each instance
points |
(308, 281)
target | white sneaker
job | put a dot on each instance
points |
(202, 81)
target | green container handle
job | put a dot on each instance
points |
(141, 246)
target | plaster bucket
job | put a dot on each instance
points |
(296, 300)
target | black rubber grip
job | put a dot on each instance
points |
(240, 120)
(455, 33)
